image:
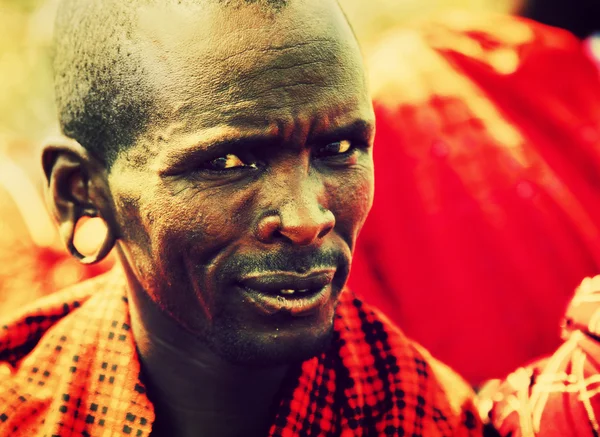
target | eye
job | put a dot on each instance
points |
(227, 162)
(336, 148)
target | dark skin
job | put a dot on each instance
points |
(258, 163)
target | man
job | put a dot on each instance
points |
(227, 145)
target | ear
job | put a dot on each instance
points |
(77, 187)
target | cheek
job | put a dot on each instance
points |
(150, 223)
(350, 199)
(133, 226)
(196, 222)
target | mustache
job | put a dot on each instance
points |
(289, 261)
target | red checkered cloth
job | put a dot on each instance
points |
(556, 396)
(69, 367)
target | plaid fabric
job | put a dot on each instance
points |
(69, 367)
(556, 396)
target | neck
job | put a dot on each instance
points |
(195, 392)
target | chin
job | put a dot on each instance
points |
(248, 349)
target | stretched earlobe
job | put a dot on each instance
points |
(67, 233)
(76, 189)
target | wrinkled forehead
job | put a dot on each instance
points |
(246, 59)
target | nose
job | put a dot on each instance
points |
(300, 219)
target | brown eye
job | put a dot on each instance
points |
(337, 148)
(226, 162)
(344, 146)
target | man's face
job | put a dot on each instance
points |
(241, 203)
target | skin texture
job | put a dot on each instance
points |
(280, 103)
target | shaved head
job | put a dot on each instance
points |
(103, 95)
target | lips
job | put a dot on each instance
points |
(287, 291)
(288, 283)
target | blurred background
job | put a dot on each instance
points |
(486, 156)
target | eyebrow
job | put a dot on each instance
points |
(214, 147)
(357, 130)
(235, 141)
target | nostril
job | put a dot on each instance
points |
(269, 228)
(328, 223)
(298, 226)
(325, 231)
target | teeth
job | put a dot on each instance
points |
(290, 291)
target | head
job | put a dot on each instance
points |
(227, 145)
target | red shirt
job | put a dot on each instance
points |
(69, 366)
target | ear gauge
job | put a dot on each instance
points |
(67, 232)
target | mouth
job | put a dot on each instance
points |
(299, 295)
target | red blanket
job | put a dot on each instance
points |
(487, 204)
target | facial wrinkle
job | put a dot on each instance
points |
(265, 50)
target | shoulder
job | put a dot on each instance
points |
(21, 331)
(391, 375)
(55, 355)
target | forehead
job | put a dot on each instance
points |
(220, 64)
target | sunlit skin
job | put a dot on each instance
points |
(257, 161)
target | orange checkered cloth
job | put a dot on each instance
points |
(69, 367)
(558, 395)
